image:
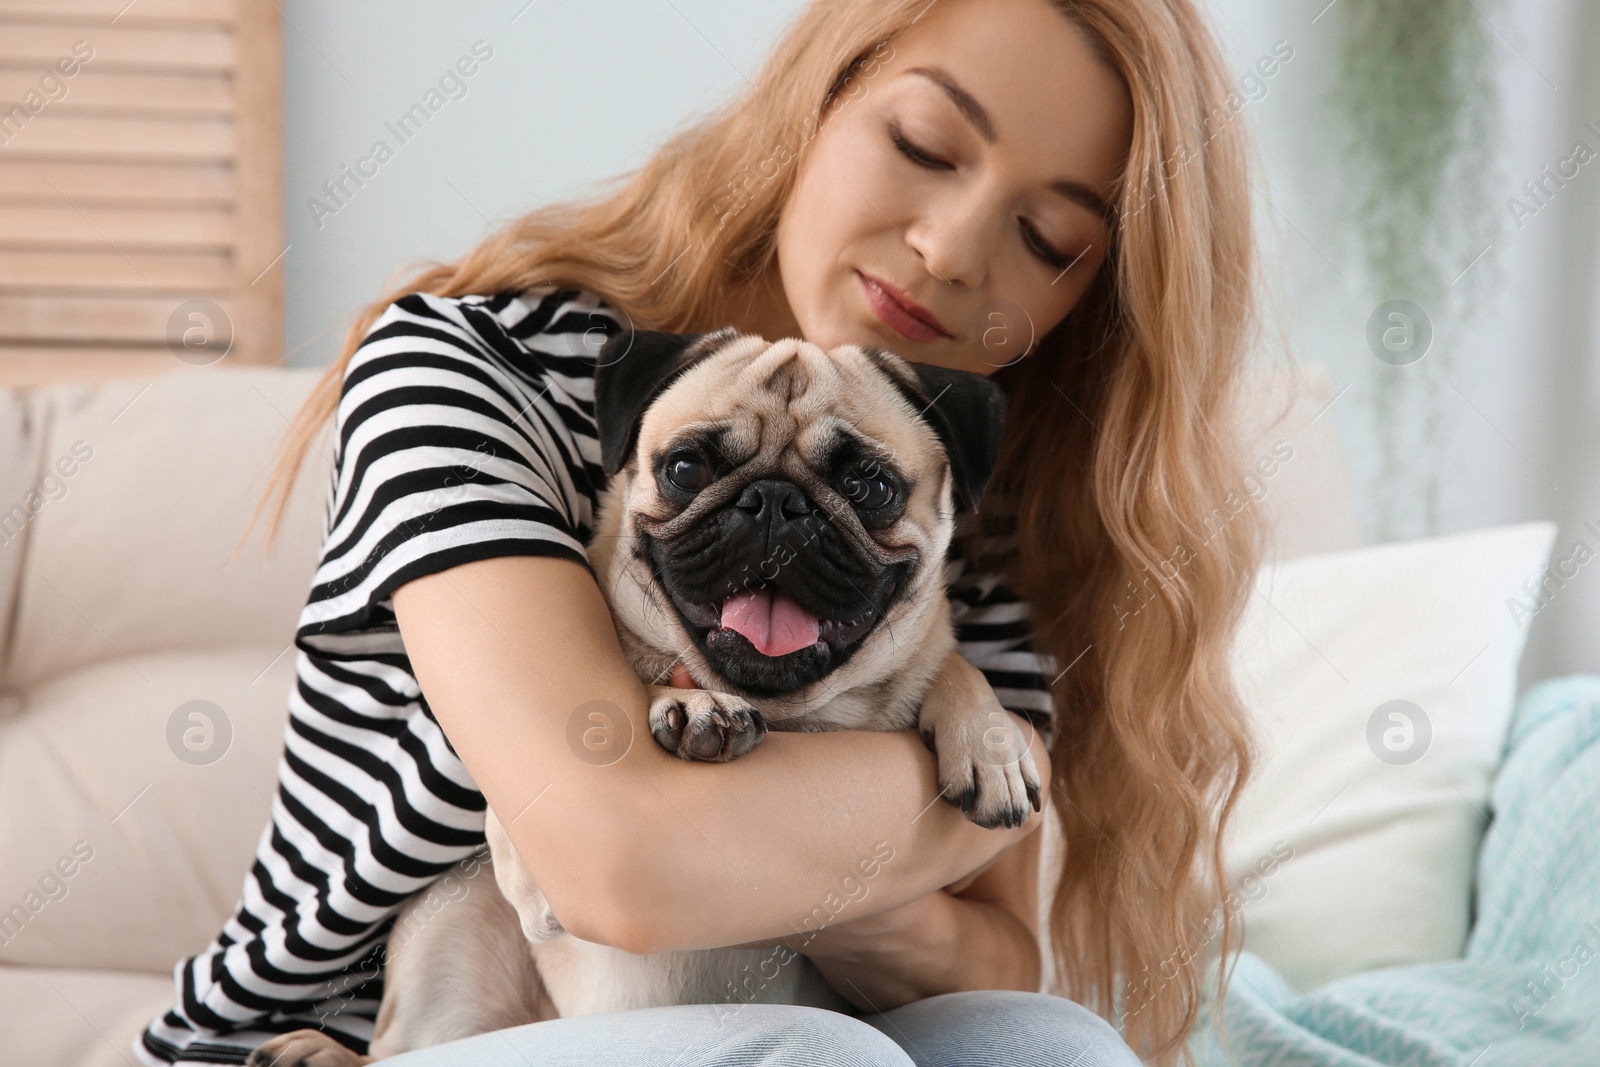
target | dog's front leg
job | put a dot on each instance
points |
(699, 724)
(986, 767)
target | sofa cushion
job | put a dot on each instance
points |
(127, 838)
(26, 488)
(1381, 681)
(133, 557)
(78, 1018)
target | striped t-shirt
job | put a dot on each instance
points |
(465, 430)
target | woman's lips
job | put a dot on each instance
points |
(894, 314)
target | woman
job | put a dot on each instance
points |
(1047, 183)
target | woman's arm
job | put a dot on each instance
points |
(651, 852)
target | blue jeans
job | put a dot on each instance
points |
(987, 1028)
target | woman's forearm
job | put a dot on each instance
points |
(947, 945)
(804, 830)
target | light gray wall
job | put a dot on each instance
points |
(1516, 388)
(572, 94)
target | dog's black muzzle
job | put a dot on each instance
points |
(774, 537)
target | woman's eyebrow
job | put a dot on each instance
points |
(978, 115)
(964, 101)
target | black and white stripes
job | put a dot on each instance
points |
(464, 431)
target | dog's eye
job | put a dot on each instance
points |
(868, 491)
(688, 472)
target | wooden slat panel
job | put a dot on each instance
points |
(124, 229)
(32, 269)
(89, 184)
(101, 12)
(77, 136)
(155, 181)
(258, 312)
(122, 91)
(115, 320)
(38, 44)
(40, 366)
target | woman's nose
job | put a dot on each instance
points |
(955, 238)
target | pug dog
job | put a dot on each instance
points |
(777, 520)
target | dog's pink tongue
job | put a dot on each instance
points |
(774, 623)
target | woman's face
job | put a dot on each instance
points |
(968, 173)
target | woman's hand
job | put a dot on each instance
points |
(871, 961)
(981, 932)
(938, 943)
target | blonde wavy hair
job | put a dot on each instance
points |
(1150, 748)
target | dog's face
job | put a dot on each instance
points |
(788, 510)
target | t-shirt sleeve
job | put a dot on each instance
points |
(995, 635)
(992, 634)
(447, 451)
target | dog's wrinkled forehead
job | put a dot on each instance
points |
(751, 396)
(762, 400)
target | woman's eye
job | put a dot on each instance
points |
(1036, 243)
(689, 473)
(913, 153)
(1042, 249)
(868, 492)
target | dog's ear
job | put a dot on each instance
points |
(967, 412)
(633, 368)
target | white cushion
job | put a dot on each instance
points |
(1355, 842)
(168, 841)
(26, 489)
(78, 1018)
(133, 558)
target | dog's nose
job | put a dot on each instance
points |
(774, 500)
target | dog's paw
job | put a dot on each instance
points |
(304, 1048)
(698, 724)
(986, 766)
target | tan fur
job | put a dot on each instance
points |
(779, 402)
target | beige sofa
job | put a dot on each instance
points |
(126, 825)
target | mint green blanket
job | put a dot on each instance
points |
(1527, 991)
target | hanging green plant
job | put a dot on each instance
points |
(1416, 86)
